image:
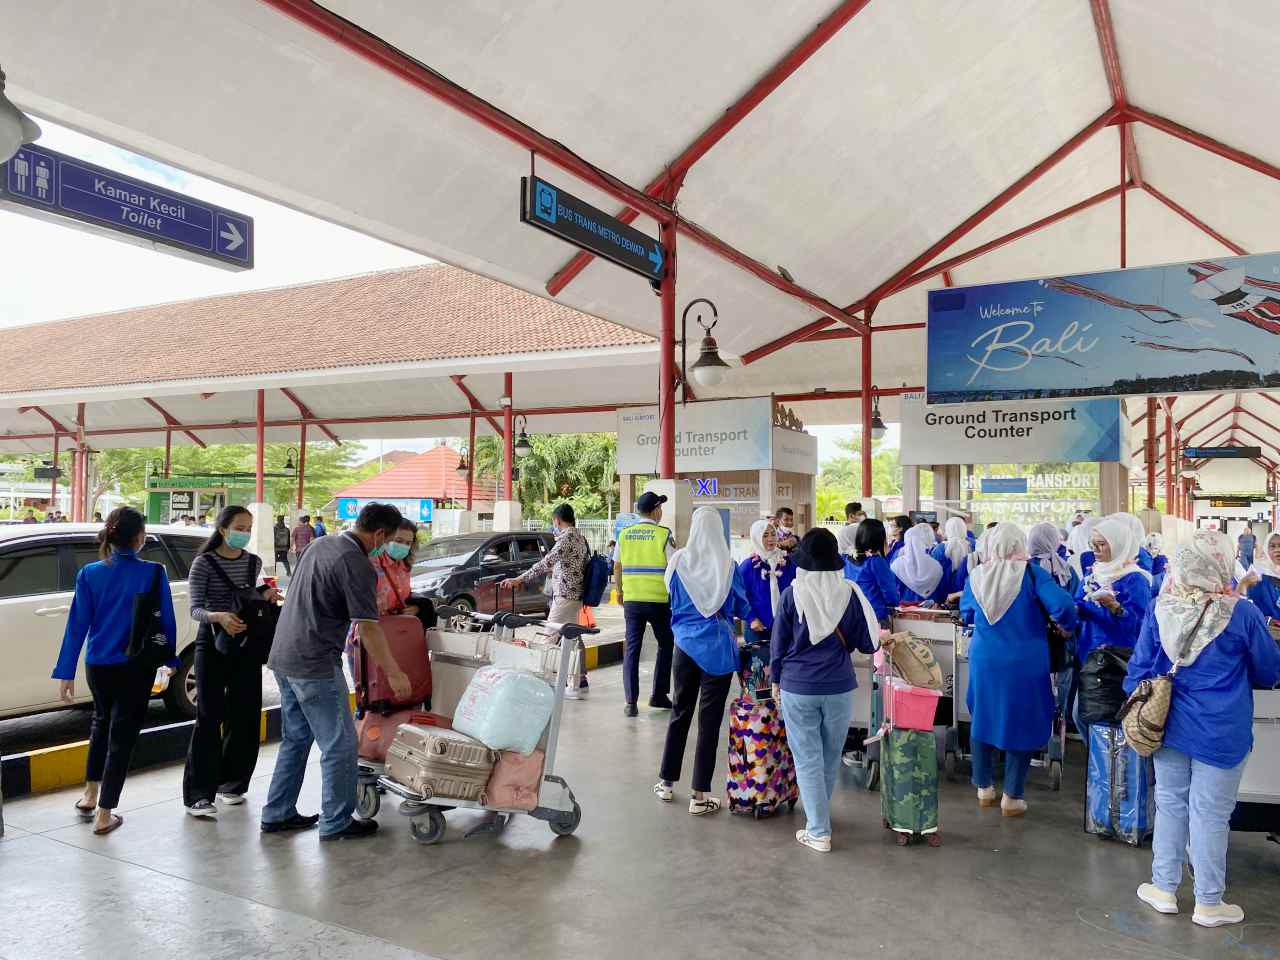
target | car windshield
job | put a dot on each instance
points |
(449, 550)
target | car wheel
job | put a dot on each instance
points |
(180, 696)
(464, 604)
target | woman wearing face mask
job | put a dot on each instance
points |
(392, 565)
(1225, 653)
(1010, 603)
(953, 555)
(224, 742)
(919, 574)
(706, 594)
(870, 570)
(765, 574)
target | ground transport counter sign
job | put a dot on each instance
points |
(60, 188)
(1207, 325)
(550, 208)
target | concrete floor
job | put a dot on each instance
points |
(639, 879)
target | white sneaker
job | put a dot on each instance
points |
(1215, 915)
(1010, 807)
(663, 792)
(231, 799)
(1162, 901)
(203, 809)
(572, 693)
(820, 844)
(700, 808)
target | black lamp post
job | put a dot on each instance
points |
(709, 369)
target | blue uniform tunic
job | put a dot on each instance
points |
(1266, 596)
(1211, 714)
(877, 582)
(953, 579)
(1145, 560)
(709, 640)
(757, 587)
(799, 665)
(1009, 695)
(1099, 626)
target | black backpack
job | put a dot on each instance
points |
(148, 644)
(259, 615)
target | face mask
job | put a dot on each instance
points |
(238, 539)
(397, 551)
(377, 551)
(785, 531)
(558, 532)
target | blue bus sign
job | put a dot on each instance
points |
(60, 188)
(548, 207)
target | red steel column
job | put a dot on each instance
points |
(866, 414)
(1124, 219)
(259, 487)
(1169, 463)
(471, 460)
(168, 451)
(667, 362)
(53, 491)
(80, 470)
(302, 462)
(508, 440)
(1151, 453)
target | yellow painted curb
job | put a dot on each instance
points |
(55, 767)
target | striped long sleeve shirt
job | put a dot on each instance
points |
(209, 594)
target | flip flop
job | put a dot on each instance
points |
(113, 824)
(84, 813)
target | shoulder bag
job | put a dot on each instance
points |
(1146, 713)
(148, 644)
(258, 614)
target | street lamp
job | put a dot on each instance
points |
(16, 128)
(462, 463)
(522, 446)
(878, 429)
(289, 458)
(709, 369)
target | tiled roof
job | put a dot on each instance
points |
(432, 474)
(426, 313)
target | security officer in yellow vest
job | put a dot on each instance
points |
(640, 560)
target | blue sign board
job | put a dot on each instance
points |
(55, 186)
(417, 510)
(1222, 453)
(548, 207)
(1206, 325)
(1004, 484)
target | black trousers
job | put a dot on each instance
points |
(708, 694)
(282, 556)
(637, 613)
(224, 743)
(121, 692)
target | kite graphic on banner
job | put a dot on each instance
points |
(1199, 326)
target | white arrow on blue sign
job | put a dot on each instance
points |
(60, 188)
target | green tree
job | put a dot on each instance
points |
(840, 478)
(578, 468)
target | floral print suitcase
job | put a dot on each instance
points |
(762, 772)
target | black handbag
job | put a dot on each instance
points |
(258, 614)
(1102, 684)
(148, 643)
(1059, 656)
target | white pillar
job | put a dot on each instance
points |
(506, 516)
(626, 501)
(263, 540)
(768, 493)
(911, 489)
(1113, 487)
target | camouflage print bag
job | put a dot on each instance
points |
(909, 781)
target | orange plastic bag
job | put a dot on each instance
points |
(586, 618)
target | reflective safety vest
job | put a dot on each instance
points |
(642, 549)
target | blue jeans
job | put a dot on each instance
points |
(315, 711)
(816, 728)
(1192, 799)
(1016, 765)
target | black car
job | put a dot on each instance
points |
(464, 570)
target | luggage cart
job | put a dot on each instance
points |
(1055, 751)
(862, 751)
(947, 637)
(1258, 802)
(557, 805)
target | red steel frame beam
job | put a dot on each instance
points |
(906, 273)
(305, 411)
(667, 362)
(471, 459)
(383, 55)
(508, 440)
(80, 469)
(57, 425)
(1195, 221)
(1151, 453)
(458, 379)
(1169, 463)
(302, 464)
(259, 485)
(667, 183)
(1200, 409)
(841, 394)
(1187, 135)
(172, 421)
(53, 490)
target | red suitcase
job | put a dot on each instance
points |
(408, 642)
(375, 731)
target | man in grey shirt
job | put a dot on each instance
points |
(333, 586)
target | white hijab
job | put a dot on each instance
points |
(771, 561)
(1136, 528)
(822, 596)
(913, 565)
(1124, 552)
(847, 539)
(1043, 541)
(1078, 543)
(957, 541)
(979, 551)
(1262, 564)
(1198, 584)
(704, 564)
(1154, 544)
(998, 581)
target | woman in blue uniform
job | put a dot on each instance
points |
(953, 554)
(1262, 582)
(1139, 532)
(919, 574)
(706, 594)
(1209, 731)
(870, 571)
(1159, 562)
(1079, 549)
(1113, 599)
(1010, 603)
(765, 574)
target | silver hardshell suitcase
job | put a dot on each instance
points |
(439, 763)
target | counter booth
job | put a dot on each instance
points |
(171, 498)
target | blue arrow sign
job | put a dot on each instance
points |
(58, 187)
(656, 258)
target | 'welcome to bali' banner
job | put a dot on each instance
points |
(1210, 325)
